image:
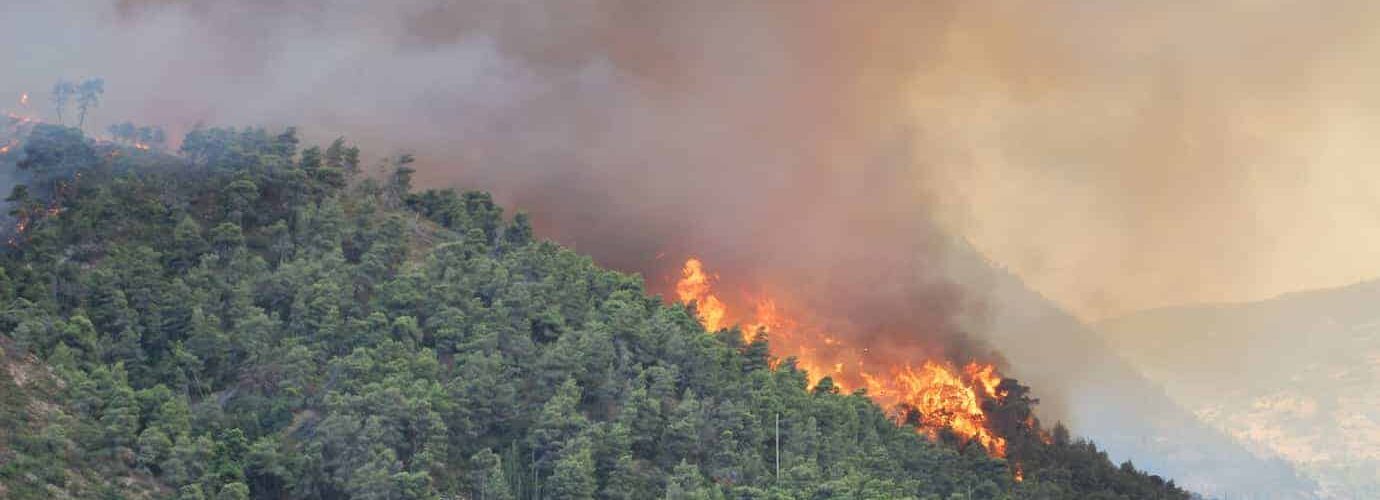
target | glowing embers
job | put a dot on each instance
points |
(16, 119)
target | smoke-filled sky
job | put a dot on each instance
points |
(1115, 155)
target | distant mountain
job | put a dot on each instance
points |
(1082, 380)
(1296, 376)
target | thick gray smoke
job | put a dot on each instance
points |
(772, 140)
(1113, 155)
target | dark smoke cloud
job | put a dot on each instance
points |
(1114, 155)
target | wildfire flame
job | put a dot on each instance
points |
(930, 393)
(695, 286)
(16, 120)
(943, 400)
(24, 99)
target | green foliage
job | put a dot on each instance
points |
(252, 320)
(144, 137)
(56, 153)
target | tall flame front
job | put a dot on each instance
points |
(932, 394)
(694, 286)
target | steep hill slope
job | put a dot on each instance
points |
(250, 319)
(38, 457)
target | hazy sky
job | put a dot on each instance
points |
(1116, 155)
(1122, 158)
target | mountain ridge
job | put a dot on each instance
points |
(1292, 375)
(1088, 383)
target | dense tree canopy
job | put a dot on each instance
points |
(248, 319)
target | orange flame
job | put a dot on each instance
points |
(1043, 435)
(695, 286)
(941, 396)
(24, 99)
(18, 119)
(944, 400)
(986, 375)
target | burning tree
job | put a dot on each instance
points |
(144, 137)
(294, 303)
(963, 403)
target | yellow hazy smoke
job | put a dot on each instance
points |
(1121, 156)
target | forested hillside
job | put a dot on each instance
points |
(249, 318)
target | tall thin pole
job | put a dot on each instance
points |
(778, 446)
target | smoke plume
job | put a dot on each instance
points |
(1117, 157)
(1113, 155)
